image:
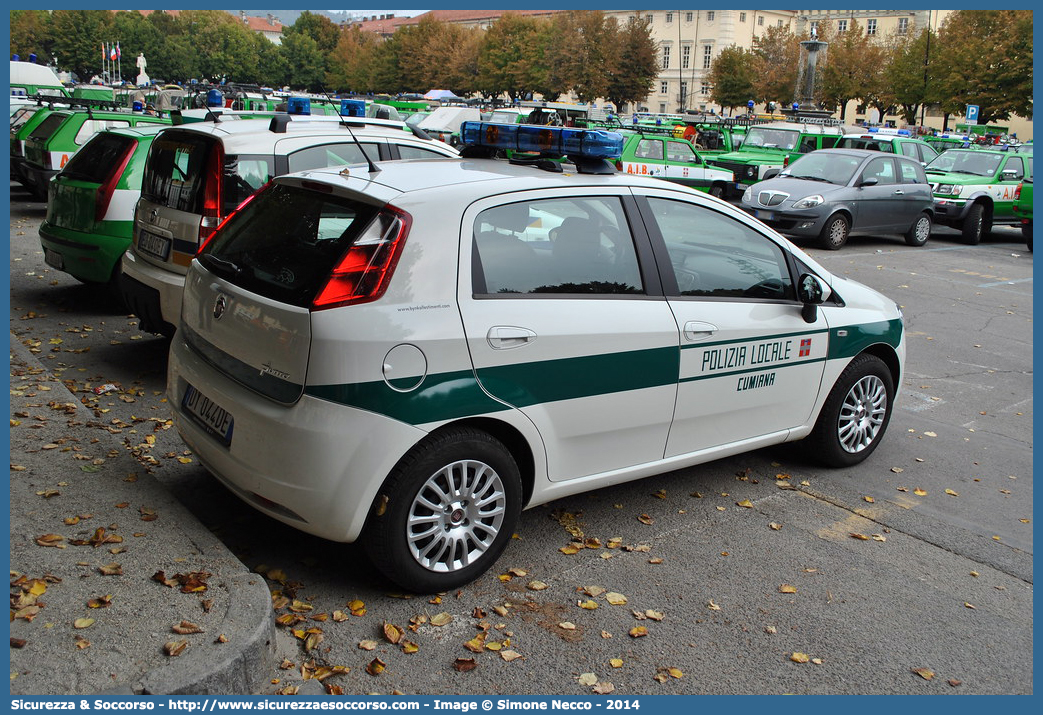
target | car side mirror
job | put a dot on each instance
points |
(1009, 175)
(770, 173)
(812, 292)
(873, 181)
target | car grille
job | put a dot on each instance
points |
(771, 198)
(734, 167)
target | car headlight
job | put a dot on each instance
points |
(949, 189)
(808, 202)
(747, 196)
(751, 172)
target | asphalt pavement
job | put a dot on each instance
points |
(115, 587)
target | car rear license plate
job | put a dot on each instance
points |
(764, 215)
(154, 245)
(54, 259)
(216, 419)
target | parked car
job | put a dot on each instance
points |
(197, 174)
(832, 193)
(1023, 209)
(54, 141)
(677, 160)
(974, 189)
(411, 362)
(773, 146)
(90, 205)
(23, 122)
(894, 141)
(444, 123)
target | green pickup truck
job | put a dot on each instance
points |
(974, 189)
(672, 159)
(773, 146)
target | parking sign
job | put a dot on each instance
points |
(972, 113)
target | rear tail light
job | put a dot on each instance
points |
(105, 191)
(619, 165)
(785, 161)
(1017, 192)
(364, 272)
(213, 176)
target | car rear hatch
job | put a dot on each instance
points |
(249, 297)
(81, 193)
(36, 142)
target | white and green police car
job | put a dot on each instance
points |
(411, 354)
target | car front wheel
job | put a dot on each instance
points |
(920, 231)
(834, 233)
(855, 415)
(446, 512)
(975, 226)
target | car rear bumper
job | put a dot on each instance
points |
(152, 294)
(87, 256)
(325, 485)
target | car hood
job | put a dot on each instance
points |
(935, 177)
(754, 154)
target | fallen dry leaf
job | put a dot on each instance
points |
(175, 648)
(463, 665)
(925, 673)
(787, 588)
(186, 627)
(798, 657)
(376, 666)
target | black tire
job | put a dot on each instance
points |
(717, 190)
(920, 231)
(1026, 233)
(975, 225)
(835, 232)
(855, 416)
(447, 469)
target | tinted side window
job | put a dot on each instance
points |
(911, 173)
(48, 126)
(319, 157)
(716, 256)
(927, 153)
(679, 151)
(909, 149)
(97, 158)
(1015, 164)
(577, 245)
(649, 149)
(243, 175)
(880, 169)
(807, 144)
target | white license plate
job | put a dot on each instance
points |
(764, 215)
(54, 259)
(208, 413)
(154, 245)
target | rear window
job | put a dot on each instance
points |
(98, 158)
(289, 261)
(21, 117)
(48, 126)
(175, 173)
(871, 144)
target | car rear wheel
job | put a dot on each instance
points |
(446, 512)
(920, 231)
(717, 190)
(834, 233)
(855, 415)
(975, 226)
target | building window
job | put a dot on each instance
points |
(760, 21)
(669, 17)
(707, 56)
(662, 108)
(870, 27)
(814, 28)
(648, 18)
(709, 16)
(779, 23)
(841, 25)
(684, 91)
(742, 17)
(686, 56)
(666, 57)
(663, 88)
(704, 89)
(688, 17)
(903, 25)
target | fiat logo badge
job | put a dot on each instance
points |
(220, 306)
(153, 215)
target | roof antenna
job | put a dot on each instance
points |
(373, 168)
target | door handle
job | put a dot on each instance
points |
(899, 192)
(695, 330)
(505, 337)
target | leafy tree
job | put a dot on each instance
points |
(985, 58)
(320, 28)
(461, 59)
(223, 45)
(510, 60)
(175, 57)
(136, 35)
(731, 77)
(305, 63)
(596, 54)
(906, 71)
(777, 64)
(636, 66)
(352, 60)
(563, 59)
(849, 68)
(31, 32)
(77, 37)
(271, 62)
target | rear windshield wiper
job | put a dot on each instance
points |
(221, 266)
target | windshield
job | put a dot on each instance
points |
(771, 138)
(829, 168)
(973, 163)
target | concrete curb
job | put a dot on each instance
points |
(127, 655)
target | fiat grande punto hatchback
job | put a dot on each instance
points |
(412, 356)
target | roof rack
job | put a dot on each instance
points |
(49, 99)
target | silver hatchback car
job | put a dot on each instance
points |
(832, 193)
